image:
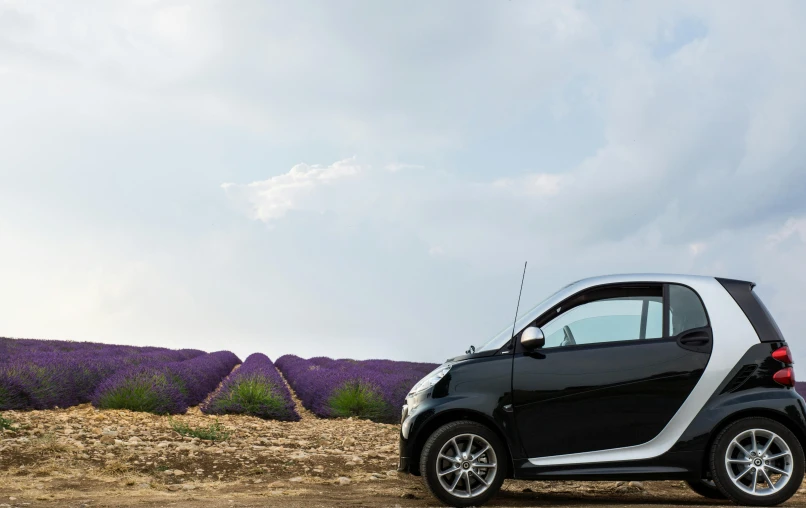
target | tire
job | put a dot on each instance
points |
(739, 443)
(471, 472)
(706, 488)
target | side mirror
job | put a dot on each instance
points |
(532, 338)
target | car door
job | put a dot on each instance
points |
(618, 362)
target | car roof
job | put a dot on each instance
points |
(642, 277)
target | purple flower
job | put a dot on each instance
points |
(42, 374)
(255, 389)
(372, 389)
(165, 388)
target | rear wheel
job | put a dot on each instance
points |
(706, 488)
(757, 461)
(463, 464)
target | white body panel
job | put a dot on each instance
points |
(733, 335)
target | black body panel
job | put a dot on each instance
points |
(477, 389)
(601, 396)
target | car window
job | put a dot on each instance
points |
(607, 320)
(685, 310)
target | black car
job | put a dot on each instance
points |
(628, 377)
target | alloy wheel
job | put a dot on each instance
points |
(466, 465)
(759, 462)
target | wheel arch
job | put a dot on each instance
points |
(772, 414)
(452, 415)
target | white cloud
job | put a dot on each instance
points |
(304, 187)
(792, 227)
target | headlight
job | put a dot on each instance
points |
(430, 380)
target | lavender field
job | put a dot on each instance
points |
(42, 374)
(373, 389)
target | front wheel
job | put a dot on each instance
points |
(757, 461)
(463, 464)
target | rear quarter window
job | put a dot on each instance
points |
(748, 300)
(767, 314)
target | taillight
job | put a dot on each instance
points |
(785, 377)
(782, 354)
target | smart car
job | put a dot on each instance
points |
(621, 377)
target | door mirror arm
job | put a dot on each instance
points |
(532, 338)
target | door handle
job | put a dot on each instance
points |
(695, 340)
(699, 341)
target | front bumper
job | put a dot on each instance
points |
(404, 460)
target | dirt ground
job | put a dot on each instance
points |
(82, 457)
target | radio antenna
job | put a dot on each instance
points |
(517, 307)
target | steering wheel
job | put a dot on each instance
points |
(569, 337)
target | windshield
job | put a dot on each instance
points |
(504, 335)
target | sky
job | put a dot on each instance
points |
(366, 179)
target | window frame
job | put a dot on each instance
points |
(608, 291)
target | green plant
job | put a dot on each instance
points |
(147, 391)
(215, 432)
(356, 398)
(6, 424)
(253, 396)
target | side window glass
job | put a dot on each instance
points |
(685, 310)
(607, 320)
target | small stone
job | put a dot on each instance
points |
(279, 484)
(135, 439)
(175, 487)
(178, 472)
(296, 479)
(107, 439)
(343, 480)
(637, 485)
(408, 495)
(188, 486)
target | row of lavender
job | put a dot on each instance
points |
(166, 388)
(41, 374)
(374, 389)
(255, 389)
